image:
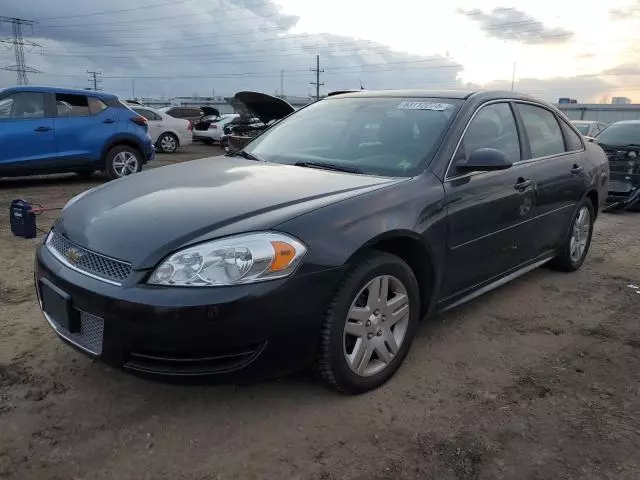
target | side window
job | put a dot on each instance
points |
(493, 127)
(574, 142)
(176, 112)
(192, 112)
(543, 130)
(70, 105)
(148, 114)
(96, 105)
(22, 105)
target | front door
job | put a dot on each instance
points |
(488, 213)
(26, 134)
(154, 122)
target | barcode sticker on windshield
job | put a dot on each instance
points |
(423, 106)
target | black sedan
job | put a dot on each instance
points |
(325, 240)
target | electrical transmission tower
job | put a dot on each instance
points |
(94, 80)
(318, 72)
(19, 44)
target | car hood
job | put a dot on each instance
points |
(142, 218)
(265, 107)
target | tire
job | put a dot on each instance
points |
(343, 340)
(208, 141)
(581, 231)
(167, 143)
(115, 157)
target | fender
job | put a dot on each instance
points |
(120, 138)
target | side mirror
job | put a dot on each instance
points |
(485, 159)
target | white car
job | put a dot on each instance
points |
(210, 129)
(166, 132)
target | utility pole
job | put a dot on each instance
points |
(281, 83)
(133, 89)
(318, 72)
(19, 44)
(513, 76)
(93, 79)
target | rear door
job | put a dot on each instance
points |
(26, 130)
(487, 212)
(154, 122)
(83, 125)
(557, 161)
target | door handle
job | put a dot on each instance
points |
(577, 169)
(42, 129)
(109, 120)
(522, 184)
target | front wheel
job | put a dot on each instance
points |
(369, 325)
(575, 248)
(122, 161)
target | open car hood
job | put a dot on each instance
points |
(265, 107)
(210, 111)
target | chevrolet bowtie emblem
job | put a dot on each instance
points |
(73, 255)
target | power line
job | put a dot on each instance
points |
(108, 12)
(19, 44)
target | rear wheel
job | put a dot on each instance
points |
(122, 161)
(167, 143)
(576, 246)
(370, 324)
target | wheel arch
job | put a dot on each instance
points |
(413, 250)
(172, 133)
(595, 200)
(122, 140)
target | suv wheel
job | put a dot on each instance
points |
(167, 143)
(369, 325)
(121, 161)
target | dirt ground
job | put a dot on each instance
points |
(537, 380)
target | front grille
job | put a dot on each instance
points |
(90, 335)
(87, 261)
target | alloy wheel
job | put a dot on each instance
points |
(580, 234)
(125, 163)
(376, 325)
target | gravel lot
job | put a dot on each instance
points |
(537, 380)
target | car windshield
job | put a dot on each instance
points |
(376, 136)
(620, 134)
(583, 128)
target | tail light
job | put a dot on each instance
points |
(139, 120)
(213, 127)
(190, 126)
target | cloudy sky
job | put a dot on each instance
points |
(185, 47)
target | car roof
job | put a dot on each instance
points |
(71, 91)
(451, 94)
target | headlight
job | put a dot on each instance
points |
(247, 258)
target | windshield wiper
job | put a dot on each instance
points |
(329, 166)
(243, 154)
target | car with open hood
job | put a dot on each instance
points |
(323, 242)
(266, 108)
(209, 129)
(621, 142)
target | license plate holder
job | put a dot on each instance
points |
(57, 305)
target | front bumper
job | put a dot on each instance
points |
(239, 333)
(624, 191)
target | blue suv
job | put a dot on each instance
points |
(52, 130)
